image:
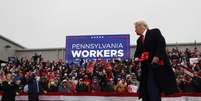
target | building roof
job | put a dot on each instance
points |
(12, 42)
(41, 49)
(132, 46)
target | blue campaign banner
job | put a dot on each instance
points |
(93, 47)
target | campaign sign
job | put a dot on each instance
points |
(95, 47)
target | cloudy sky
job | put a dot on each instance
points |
(45, 23)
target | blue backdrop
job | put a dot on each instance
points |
(94, 47)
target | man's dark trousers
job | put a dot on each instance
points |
(153, 93)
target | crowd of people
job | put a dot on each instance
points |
(38, 76)
(187, 67)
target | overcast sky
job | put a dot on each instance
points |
(45, 23)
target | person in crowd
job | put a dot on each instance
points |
(108, 86)
(95, 86)
(196, 82)
(121, 86)
(81, 86)
(67, 86)
(33, 88)
(43, 85)
(132, 83)
(9, 88)
(64, 87)
(53, 85)
(19, 84)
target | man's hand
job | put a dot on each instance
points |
(155, 60)
(45, 91)
(136, 59)
(17, 93)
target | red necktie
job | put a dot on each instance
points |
(142, 39)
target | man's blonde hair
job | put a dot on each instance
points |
(142, 23)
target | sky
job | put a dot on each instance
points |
(46, 23)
